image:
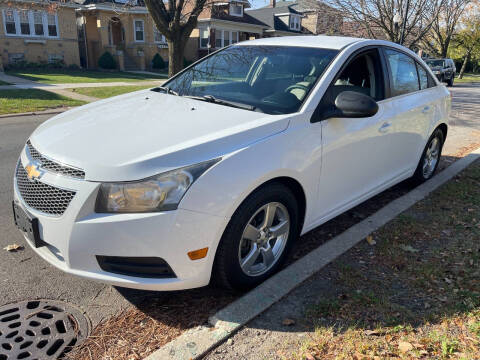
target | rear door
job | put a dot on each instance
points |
(410, 108)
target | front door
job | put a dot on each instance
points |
(355, 155)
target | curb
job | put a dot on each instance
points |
(46, 112)
(196, 342)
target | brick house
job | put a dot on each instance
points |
(80, 31)
(35, 31)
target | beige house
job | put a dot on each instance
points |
(35, 31)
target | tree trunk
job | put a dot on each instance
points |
(176, 49)
(464, 65)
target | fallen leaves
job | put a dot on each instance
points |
(370, 240)
(13, 247)
(404, 346)
(288, 322)
(408, 248)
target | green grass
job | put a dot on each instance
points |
(468, 77)
(4, 83)
(63, 76)
(108, 91)
(19, 101)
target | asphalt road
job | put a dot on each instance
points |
(23, 275)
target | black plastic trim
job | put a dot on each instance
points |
(146, 267)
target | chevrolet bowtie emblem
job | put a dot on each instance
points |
(32, 171)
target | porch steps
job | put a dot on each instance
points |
(129, 62)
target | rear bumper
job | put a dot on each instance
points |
(75, 239)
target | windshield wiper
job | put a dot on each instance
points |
(213, 99)
(166, 89)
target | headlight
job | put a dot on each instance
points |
(158, 193)
(436, 72)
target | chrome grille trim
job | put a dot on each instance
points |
(42, 197)
(53, 166)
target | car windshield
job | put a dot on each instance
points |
(435, 63)
(269, 79)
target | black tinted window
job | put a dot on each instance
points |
(403, 72)
(273, 79)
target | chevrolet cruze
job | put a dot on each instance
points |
(214, 175)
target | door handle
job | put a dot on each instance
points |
(425, 109)
(384, 127)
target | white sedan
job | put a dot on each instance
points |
(214, 175)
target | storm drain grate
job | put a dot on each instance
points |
(40, 329)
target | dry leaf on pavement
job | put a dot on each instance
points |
(288, 322)
(13, 247)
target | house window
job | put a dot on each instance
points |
(158, 37)
(234, 37)
(204, 38)
(10, 26)
(52, 25)
(295, 22)
(218, 39)
(139, 33)
(236, 9)
(30, 23)
(38, 23)
(24, 22)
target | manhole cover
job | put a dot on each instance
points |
(40, 329)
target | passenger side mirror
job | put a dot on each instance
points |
(352, 104)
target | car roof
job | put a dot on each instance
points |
(320, 41)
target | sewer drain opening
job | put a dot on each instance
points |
(40, 329)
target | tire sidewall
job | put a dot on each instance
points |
(232, 237)
(419, 171)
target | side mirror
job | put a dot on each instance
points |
(355, 105)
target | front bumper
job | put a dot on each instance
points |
(75, 239)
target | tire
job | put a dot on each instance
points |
(236, 248)
(424, 171)
(450, 81)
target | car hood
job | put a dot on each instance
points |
(137, 135)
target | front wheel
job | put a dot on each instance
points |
(450, 81)
(430, 158)
(258, 238)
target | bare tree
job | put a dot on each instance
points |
(443, 28)
(401, 21)
(176, 19)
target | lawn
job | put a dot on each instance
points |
(19, 101)
(109, 91)
(4, 83)
(411, 290)
(469, 77)
(63, 76)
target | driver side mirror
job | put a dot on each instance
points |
(352, 104)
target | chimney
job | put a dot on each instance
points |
(273, 3)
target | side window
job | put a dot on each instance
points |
(422, 74)
(403, 72)
(362, 74)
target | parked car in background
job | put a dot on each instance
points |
(215, 174)
(444, 69)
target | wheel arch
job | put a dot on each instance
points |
(444, 128)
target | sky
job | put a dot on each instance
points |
(259, 3)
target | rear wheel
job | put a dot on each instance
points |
(430, 158)
(258, 238)
(450, 81)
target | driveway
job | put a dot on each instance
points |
(23, 275)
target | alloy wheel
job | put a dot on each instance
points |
(431, 158)
(264, 238)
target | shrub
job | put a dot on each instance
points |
(106, 61)
(158, 62)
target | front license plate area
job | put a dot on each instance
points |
(28, 224)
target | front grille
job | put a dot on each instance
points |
(146, 267)
(42, 197)
(53, 166)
